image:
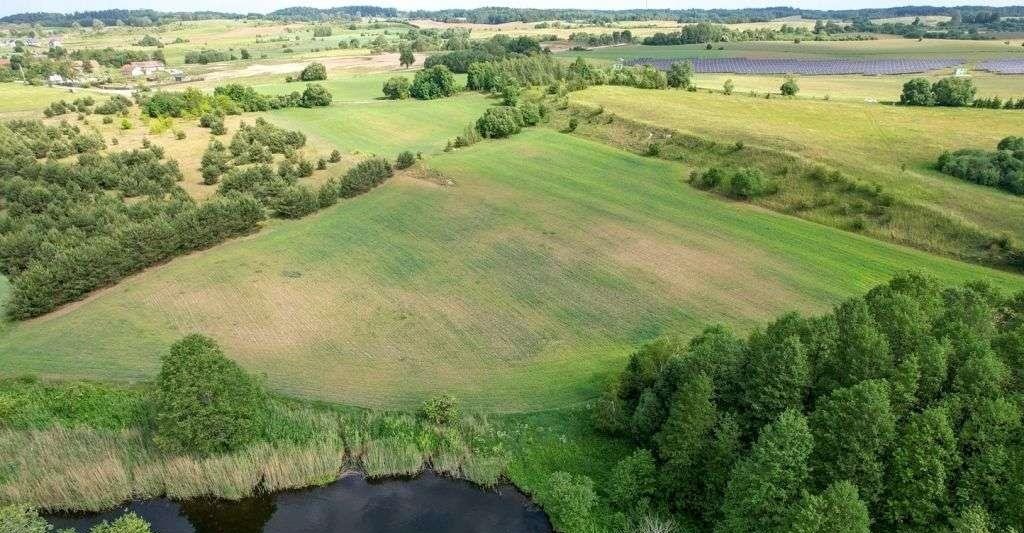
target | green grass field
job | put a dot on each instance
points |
(360, 121)
(18, 100)
(893, 146)
(518, 288)
(861, 88)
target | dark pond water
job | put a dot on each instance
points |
(426, 504)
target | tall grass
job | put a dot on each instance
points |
(87, 463)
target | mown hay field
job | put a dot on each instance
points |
(518, 287)
(895, 147)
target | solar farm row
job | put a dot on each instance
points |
(1003, 66)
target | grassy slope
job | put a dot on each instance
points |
(869, 142)
(516, 289)
(18, 100)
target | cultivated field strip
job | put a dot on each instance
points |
(807, 67)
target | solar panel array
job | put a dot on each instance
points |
(808, 67)
(1003, 66)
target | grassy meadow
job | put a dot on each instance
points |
(18, 100)
(893, 146)
(518, 288)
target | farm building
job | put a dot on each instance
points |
(142, 68)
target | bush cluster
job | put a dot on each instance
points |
(60, 107)
(397, 88)
(405, 160)
(1003, 168)
(476, 51)
(433, 82)
(313, 72)
(363, 177)
(900, 409)
(949, 92)
(499, 122)
(231, 99)
(113, 106)
(680, 75)
(742, 184)
(202, 57)
(789, 87)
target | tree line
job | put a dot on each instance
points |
(66, 229)
(899, 411)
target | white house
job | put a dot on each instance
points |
(142, 68)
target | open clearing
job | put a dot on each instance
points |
(893, 146)
(518, 288)
(387, 127)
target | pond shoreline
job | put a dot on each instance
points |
(427, 502)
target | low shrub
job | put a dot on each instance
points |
(499, 122)
(364, 176)
(405, 160)
(313, 72)
(315, 95)
(296, 201)
(441, 410)
(433, 82)
(397, 88)
(569, 501)
(747, 183)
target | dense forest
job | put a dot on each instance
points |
(898, 411)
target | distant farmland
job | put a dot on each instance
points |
(518, 288)
(892, 146)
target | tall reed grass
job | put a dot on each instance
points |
(87, 462)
